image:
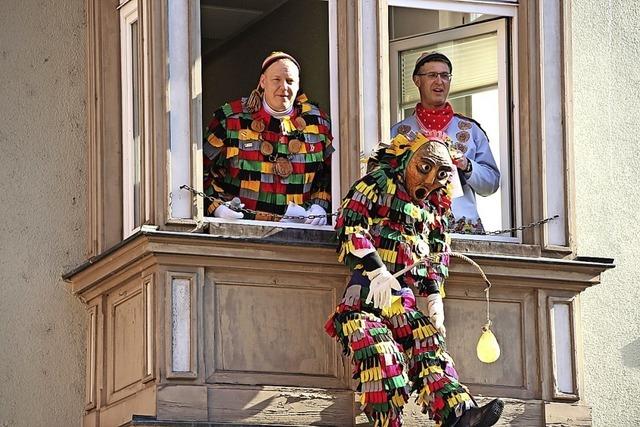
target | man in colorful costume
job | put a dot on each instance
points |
(271, 150)
(475, 163)
(391, 218)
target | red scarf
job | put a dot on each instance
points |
(434, 119)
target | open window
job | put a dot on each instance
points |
(478, 44)
(234, 39)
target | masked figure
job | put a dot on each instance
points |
(391, 218)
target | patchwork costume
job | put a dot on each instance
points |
(470, 139)
(396, 350)
(268, 162)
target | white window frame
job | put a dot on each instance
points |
(509, 153)
(129, 16)
(185, 148)
(506, 122)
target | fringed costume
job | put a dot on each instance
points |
(396, 350)
(268, 162)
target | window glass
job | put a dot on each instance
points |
(479, 91)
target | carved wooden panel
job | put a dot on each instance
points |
(269, 329)
(125, 340)
(91, 357)
(513, 314)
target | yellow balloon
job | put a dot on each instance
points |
(488, 349)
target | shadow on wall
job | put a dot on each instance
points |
(631, 354)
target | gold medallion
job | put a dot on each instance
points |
(283, 167)
(266, 148)
(294, 146)
(300, 123)
(404, 129)
(464, 125)
(462, 136)
(257, 126)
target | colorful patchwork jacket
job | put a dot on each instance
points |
(234, 164)
(378, 213)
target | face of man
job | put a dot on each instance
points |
(428, 169)
(433, 91)
(280, 82)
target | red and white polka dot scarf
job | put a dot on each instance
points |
(434, 119)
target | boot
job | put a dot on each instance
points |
(484, 416)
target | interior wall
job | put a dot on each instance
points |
(298, 28)
(43, 210)
(606, 83)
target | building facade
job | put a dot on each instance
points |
(132, 302)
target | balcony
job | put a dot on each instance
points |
(185, 328)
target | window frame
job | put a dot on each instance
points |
(507, 91)
(353, 63)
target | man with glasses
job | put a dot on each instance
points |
(476, 166)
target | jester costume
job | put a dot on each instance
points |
(471, 140)
(268, 162)
(397, 350)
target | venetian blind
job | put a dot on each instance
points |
(474, 59)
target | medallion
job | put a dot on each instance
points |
(300, 123)
(257, 126)
(464, 125)
(283, 167)
(294, 146)
(404, 129)
(462, 136)
(266, 148)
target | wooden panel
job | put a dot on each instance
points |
(271, 405)
(283, 344)
(125, 341)
(515, 373)
(464, 319)
(182, 403)
(91, 357)
(269, 329)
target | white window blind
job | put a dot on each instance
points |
(474, 59)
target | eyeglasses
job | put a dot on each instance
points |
(432, 76)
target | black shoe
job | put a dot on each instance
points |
(484, 416)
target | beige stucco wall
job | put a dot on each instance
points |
(42, 231)
(606, 36)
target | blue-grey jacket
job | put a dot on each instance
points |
(468, 137)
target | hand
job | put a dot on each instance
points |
(223, 211)
(382, 281)
(435, 309)
(461, 162)
(320, 215)
(296, 212)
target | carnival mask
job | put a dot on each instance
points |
(428, 169)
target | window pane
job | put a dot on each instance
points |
(136, 164)
(476, 44)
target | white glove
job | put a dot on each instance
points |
(435, 308)
(382, 281)
(296, 211)
(223, 211)
(319, 213)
